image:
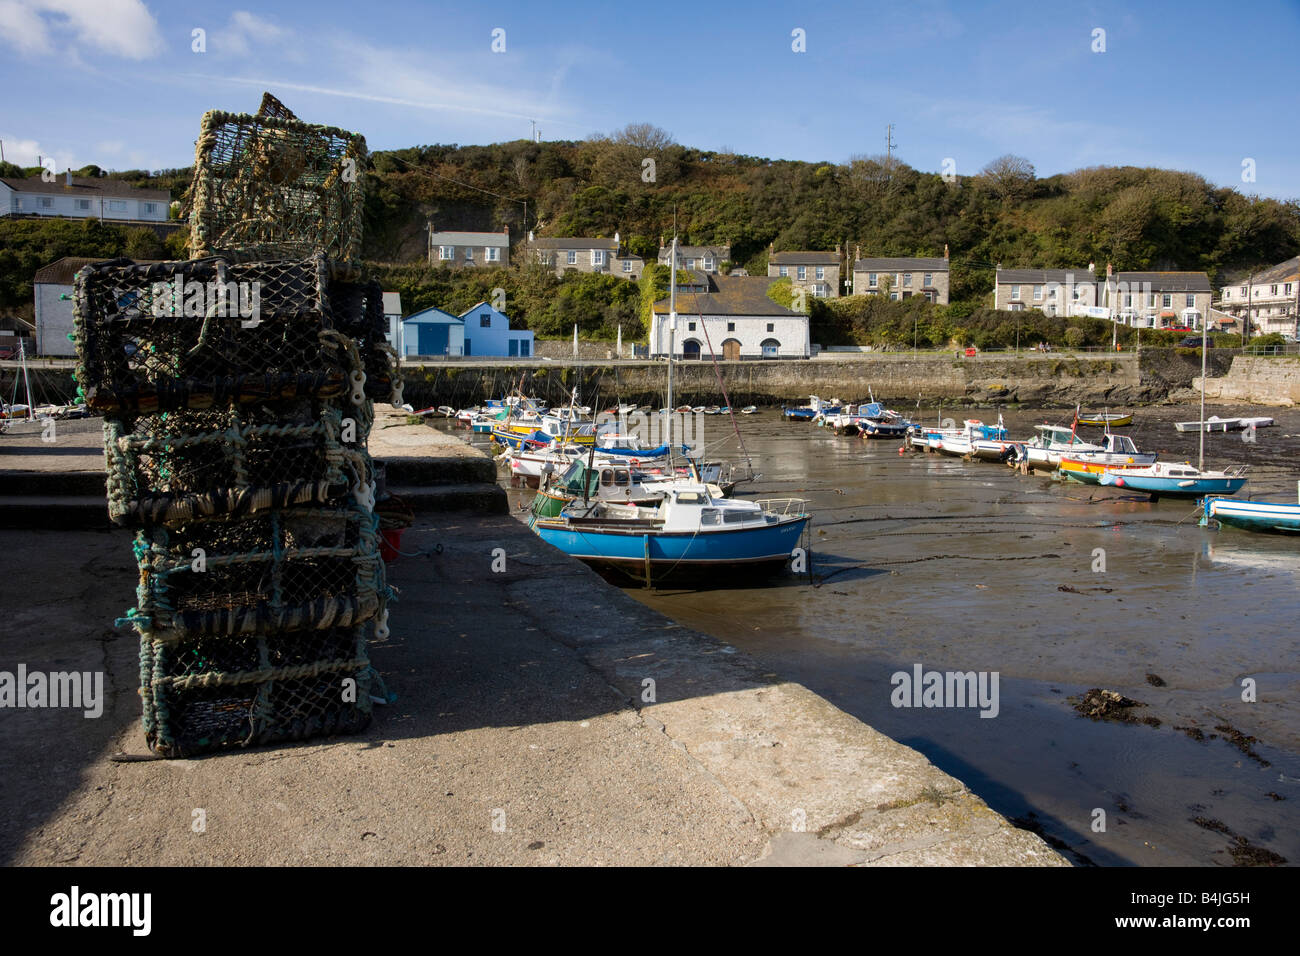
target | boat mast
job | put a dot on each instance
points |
(1205, 334)
(672, 327)
(22, 359)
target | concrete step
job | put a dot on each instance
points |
(79, 483)
(412, 472)
(62, 511)
(480, 497)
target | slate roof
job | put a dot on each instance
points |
(574, 242)
(1282, 272)
(85, 186)
(1167, 281)
(901, 265)
(1044, 276)
(804, 259)
(695, 252)
(501, 239)
(730, 295)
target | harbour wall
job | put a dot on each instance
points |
(1257, 380)
(1046, 379)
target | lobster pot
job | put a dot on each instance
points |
(274, 186)
(208, 333)
(177, 467)
(295, 569)
(218, 692)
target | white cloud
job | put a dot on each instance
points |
(244, 31)
(27, 152)
(123, 28)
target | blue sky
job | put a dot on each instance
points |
(1190, 85)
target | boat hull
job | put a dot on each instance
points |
(635, 550)
(1173, 487)
(1262, 516)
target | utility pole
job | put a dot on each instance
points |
(890, 146)
(1250, 293)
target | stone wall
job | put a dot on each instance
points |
(1257, 380)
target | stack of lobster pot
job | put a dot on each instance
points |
(237, 391)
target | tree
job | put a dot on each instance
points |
(1011, 178)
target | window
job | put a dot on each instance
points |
(47, 202)
(523, 348)
(117, 205)
(1075, 295)
(1151, 300)
(1128, 300)
(1191, 300)
(1015, 293)
(690, 326)
(771, 326)
(1272, 290)
(871, 279)
(469, 253)
(1243, 290)
(690, 263)
(1287, 288)
(907, 280)
(150, 207)
(821, 272)
(731, 326)
(83, 203)
(782, 271)
(1166, 300)
(627, 265)
(446, 252)
(571, 257)
(597, 257)
(1038, 293)
(803, 272)
(492, 254)
(928, 281)
(893, 297)
(485, 321)
(708, 263)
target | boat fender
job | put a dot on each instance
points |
(1119, 482)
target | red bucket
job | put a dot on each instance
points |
(390, 543)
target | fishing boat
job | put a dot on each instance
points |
(1216, 424)
(688, 533)
(1117, 451)
(1264, 516)
(1044, 450)
(961, 442)
(876, 421)
(1176, 480)
(1106, 419)
(814, 408)
(621, 481)
(749, 410)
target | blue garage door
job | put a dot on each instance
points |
(433, 338)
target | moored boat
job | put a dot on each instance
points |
(1117, 451)
(689, 533)
(1176, 479)
(1264, 516)
(1216, 424)
(1106, 419)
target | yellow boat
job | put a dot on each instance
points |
(1107, 420)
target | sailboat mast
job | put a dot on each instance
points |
(672, 327)
(22, 359)
(1205, 335)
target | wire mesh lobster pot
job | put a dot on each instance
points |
(277, 187)
(212, 693)
(293, 569)
(212, 332)
(176, 467)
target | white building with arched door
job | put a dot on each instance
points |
(733, 320)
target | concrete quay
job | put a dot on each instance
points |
(543, 717)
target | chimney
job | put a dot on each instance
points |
(69, 179)
(617, 241)
(1092, 267)
(998, 267)
(530, 235)
(506, 230)
(945, 250)
(857, 253)
(1109, 270)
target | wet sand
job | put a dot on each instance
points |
(923, 559)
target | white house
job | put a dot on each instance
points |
(80, 197)
(488, 332)
(460, 250)
(52, 290)
(393, 313)
(734, 319)
(1268, 300)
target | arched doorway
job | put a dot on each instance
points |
(771, 348)
(731, 350)
(691, 349)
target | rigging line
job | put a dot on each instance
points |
(725, 397)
